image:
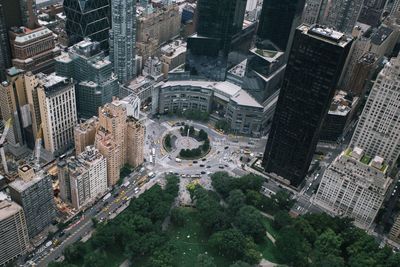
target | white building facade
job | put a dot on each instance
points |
(354, 186)
(378, 130)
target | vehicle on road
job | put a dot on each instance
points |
(178, 160)
(106, 196)
(126, 184)
(221, 166)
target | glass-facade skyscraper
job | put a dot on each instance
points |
(276, 21)
(91, 69)
(88, 18)
(122, 39)
(207, 51)
(313, 70)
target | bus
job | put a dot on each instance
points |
(143, 180)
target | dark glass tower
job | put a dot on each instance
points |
(276, 21)
(5, 53)
(88, 18)
(314, 66)
(207, 51)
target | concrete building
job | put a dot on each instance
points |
(14, 238)
(163, 25)
(354, 186)
(173, 55)
(33, 50)
(34, 193)
(84, 178)
(106, 145)
(122, 39)
(311, 11)
(341, 14)
(95, 85)
(383, 41)
(152, 69)
(135, 142)
(224, 100)
(378, 130)
(56, 96)
(394, 233)
(362, 74)
(84, 134)
(340, 117)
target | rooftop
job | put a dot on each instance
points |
(28, 35)
(8, 208)
(381, 35)
(342, 104)
(326, 34)
(21, 185)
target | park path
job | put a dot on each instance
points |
(266, 263)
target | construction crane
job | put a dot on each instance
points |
(38, 146)
(2, 140)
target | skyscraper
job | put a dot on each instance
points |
(122, 39)
(88, 18)
(342, 14)
(314, 66)
(276, 21)
(378, 130)
(207, 51)
(87, 64)
(5, 53)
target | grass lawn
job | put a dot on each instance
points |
(190, 241)
(267, 248)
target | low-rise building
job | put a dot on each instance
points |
(354, 186)
(173, 55)
(83, 178)
(223, 100)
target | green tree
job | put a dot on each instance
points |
(282, 200)
(202, 135)
(206, 145)
(191, 131)
(222, 183)
(95, 259)
(281, 219)
(75, 252)
(293, 248)
(235, 201)
(163, 257)
(168, 141)
(179, 216)
(205, 260)
(250, 222)
(328, 249)
(229, 242)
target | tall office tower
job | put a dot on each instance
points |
(95, 85)
(14, 238)
(311, 12)
(207, 51)
(88, 18)
(34, 193)
(342, 14)
(378, 130)
(395, 8)
(31, 87)
(33, 50)
(354, 186)
(122, 39)
(5, 53)
(135, 145)
(83, 178)
(276, 23)
(371, 12)
(28, 13)
(84, 134)
(362, 74)
(315, 63)
(56, 97)
(14, 105)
